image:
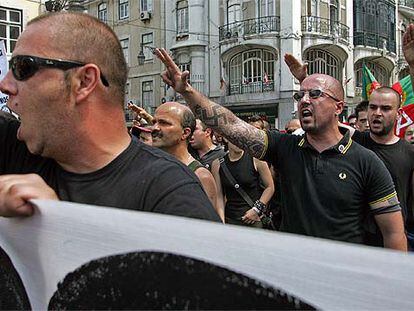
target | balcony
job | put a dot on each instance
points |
(406, 7)
(325, 27)
(253, 26)
(252, 87)
(406, 3)
(374, 40)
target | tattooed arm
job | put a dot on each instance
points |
(408, 49)
(213, 115)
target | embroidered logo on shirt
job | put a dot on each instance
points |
(342, 176)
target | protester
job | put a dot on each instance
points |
(292, 126)
(329, 183)
(173, 126)
(397, 155)
(409, 134)
(142, 133)
(361, 112)
(67, 82)
(248, 174)
(352, 119)
(202, 147)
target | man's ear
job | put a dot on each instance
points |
(339, 106)
(399, 112)
(186, 133)
(85, 80)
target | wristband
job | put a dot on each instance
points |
(260, 206)
(257, 211)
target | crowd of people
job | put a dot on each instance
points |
(317, 177)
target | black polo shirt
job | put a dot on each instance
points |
(328, 194)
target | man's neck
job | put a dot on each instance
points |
(206, 148)
(180, 152)
(388, 139)
(325, 139)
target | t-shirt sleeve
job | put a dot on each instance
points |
(278, 145)
(179, 193)
(382, 197)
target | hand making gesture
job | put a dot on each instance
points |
(298, 70)
(173, 76)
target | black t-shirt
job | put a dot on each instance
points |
(327, 194)
(140, 178)
(399, 160)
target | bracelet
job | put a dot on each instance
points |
(257, 211)
(260, 206)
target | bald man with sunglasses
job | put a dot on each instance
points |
(67, 82)
(329, 183)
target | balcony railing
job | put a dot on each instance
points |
(374, 40)
(407, 3)
(251, 26)
(252, 87)
(324, 26)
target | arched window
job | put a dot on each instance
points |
(252, 72)
(320, 61)
(380, 73)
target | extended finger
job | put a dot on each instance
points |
(165, 77)
(168, 60)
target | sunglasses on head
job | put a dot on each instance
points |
(313, 94)
(25, 66)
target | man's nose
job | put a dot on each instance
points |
(8, 85)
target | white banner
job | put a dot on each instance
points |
(327, 275)
(3, 71)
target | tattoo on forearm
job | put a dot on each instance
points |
(230, 126)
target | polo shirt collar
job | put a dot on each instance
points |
(341, 147)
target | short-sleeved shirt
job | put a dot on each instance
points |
(399, 160)
(140, 178)
(328, 194)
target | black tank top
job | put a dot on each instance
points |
(247, 177)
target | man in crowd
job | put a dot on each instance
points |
(173, 126)
(68, 85)
(409, 134)
(397, 154)
(352, 120)
(202, 145)
(361, 112)
(292, 126)
(329, 183)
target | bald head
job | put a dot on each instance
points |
(390, 92)
(292, 126)
(185, 114)
(327, 83)
(81, 37)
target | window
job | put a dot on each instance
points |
(102, 12)
(123, 9)
(146, 5)
(147, 40)
(312, 7)
(233, 11)
(125, 48)
(252, 72)
(320, 61)
(148, 95)
(266, 8)
(10, 27)
(182, 17)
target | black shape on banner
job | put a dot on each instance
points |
(153, 280)
(13, 295)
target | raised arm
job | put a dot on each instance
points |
(297, 69)
(213, 115)
(408, 49)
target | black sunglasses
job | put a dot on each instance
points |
(25, 66)
(312, 94)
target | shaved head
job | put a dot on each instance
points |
(328, 83)
(81, 37)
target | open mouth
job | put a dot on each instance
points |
(306, 113)
(376, 122)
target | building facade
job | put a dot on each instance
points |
(234, 48)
